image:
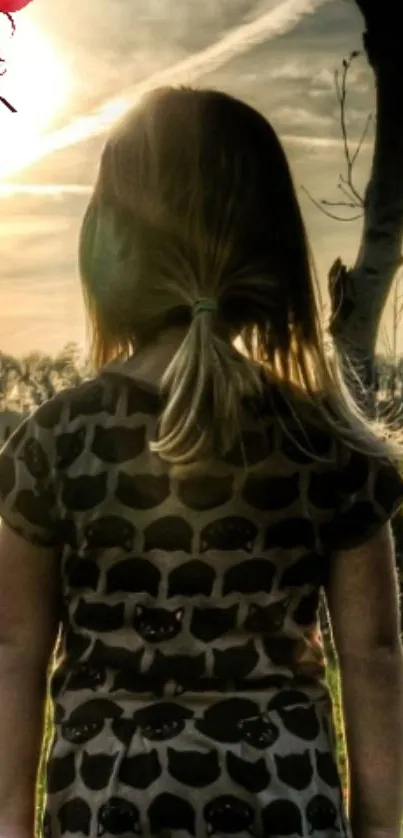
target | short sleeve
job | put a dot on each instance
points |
(28, 498)
(369, 492)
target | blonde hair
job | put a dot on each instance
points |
(194, 198)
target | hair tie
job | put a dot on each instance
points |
(204, 304)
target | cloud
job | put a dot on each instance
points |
(290, 71)
(326, 143)
(324, 79)
(305, 68)
(271, 24)
(294, 116)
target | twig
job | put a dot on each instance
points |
(363, 136)
(341, 92)
(325, 212)
(339, 204)
(345, 186)
(344, 190)
(346, 182)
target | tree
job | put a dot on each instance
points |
(8, 373)
(358, 294)
(29, 381)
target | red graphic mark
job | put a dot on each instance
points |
(7, 8)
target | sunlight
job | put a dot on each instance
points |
(37, 84)
(269, 24)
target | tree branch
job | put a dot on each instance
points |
(320, 205)
(362, 139)
(346, 183)
(341, 92)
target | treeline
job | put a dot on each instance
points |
(31, 379)
(28, 381)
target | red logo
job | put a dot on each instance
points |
(7, 8)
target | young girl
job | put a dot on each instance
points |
(176, 519)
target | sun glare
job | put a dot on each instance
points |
(37, 84)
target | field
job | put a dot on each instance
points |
(334, 686)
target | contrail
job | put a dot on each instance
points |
(275, 22)
(8, 190)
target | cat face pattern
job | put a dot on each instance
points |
(209, 584)
(155, 625)
(199, 772)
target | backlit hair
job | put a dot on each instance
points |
(194, 198)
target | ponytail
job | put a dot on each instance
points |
(204, 386)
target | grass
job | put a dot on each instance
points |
(334, 686)
(40, 788)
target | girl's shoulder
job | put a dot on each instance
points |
(105, 396)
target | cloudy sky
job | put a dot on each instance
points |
(70, 75)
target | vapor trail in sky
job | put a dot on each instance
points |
(51, 190)
(271, 24)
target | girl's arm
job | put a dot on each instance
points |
(362, 596)
(29, 600)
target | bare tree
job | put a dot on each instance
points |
(358, 294)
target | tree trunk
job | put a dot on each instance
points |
(358, 295)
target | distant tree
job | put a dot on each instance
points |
(8, 374)
(29, 381)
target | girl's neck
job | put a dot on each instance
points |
(149, 362)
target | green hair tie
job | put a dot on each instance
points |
(204, 304)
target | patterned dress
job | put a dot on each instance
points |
(189, 690)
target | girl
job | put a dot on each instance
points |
(174, 521)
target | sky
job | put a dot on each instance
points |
(71, 75)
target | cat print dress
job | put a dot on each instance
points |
(189, 692)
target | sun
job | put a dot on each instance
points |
(37, 84)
